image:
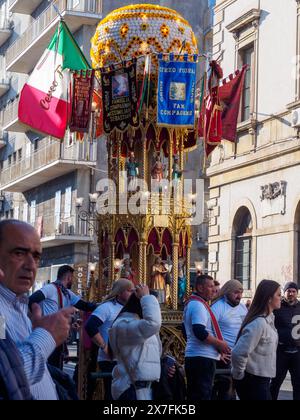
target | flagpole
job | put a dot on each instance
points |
(56, 9)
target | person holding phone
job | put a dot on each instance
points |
(135, 344)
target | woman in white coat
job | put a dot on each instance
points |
(254, 355)
(135, 344)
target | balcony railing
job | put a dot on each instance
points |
(61, 225)
(55, 152)
(92, 7)
(10, 113)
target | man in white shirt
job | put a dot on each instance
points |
(56, 296)
(230, 313)
(204, 347)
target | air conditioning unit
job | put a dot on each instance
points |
(296, 118)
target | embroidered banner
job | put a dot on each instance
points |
(83, 87)
(120, 99)
(176, 94)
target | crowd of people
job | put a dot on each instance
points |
(232, 350)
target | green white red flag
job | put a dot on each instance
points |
(45, 103)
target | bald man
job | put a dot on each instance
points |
(20, 255)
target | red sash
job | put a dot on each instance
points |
(60, 296)
(214, 321)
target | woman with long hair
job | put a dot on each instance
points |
(135, 344)
(254, 355)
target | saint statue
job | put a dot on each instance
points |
(158, 281)
(157, 171)
(177, 173)
(132, 172)
(128, 272)
(157, 174)
(182, 282)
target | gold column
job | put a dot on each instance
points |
(188, 273)
(141, 262)
(175, 274)
(112, 264)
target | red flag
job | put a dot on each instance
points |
(230, 96)
(210, 124)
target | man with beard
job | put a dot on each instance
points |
(56, 296)
(230, 313)
(288, 352)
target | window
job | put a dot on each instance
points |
(68, 202)
(33, 212)
(243, 247)
(57, 210)
(25, 212)
(16, 213)
(20, 154)
(35, 145)
(247, 55)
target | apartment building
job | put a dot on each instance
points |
(40, 178)
(254, 184)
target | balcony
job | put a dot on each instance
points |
(25, 7)
(5, 29)
(50, 162)
(24, 54)
(60, 229)
(4, 84)
(10, 118)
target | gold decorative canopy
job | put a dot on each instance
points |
(135, 30)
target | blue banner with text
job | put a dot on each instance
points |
(176, 94)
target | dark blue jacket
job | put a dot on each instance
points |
(13, 382)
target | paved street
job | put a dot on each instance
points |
(286, 391)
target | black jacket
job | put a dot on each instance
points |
(283, 322)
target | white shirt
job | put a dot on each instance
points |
(35, 346)
(230, 319)
(107, 313)
(51, 304)
(196, 313)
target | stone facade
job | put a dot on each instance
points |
(259, 174)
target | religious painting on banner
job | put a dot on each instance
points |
(176, 94)
(120, 99)
(83, 88)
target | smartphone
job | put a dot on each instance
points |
(171, 361)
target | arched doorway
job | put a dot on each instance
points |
(243, 229)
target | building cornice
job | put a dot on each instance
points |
(253, 159)
(252, 16)
(222, 4)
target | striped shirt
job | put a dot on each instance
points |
(35, 346)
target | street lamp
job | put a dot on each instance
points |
(90, 215)
(199, 267)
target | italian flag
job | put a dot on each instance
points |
(45, 103)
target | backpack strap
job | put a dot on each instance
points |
(214, 321)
